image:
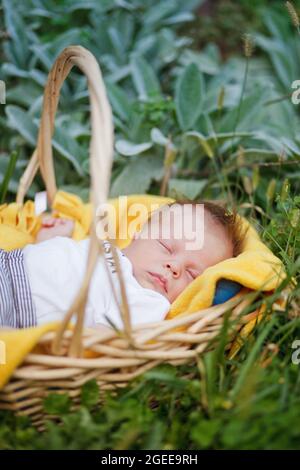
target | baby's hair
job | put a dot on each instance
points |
(228, 219)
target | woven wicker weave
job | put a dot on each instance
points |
(67, 358)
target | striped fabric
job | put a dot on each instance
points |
(16, 306)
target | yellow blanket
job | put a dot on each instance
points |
(256, 267)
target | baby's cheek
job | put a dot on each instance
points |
(174, 291)
(181, 288)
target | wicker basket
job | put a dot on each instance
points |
(66, 358)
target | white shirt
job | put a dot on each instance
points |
(56, 269)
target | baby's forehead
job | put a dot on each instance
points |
(183, 219)
(179, 213)
(176, 221)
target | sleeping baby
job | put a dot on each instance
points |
(39, 282)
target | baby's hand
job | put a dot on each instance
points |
(53, 227)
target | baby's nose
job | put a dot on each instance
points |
(175, 268)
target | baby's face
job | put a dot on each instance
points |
(167, 265)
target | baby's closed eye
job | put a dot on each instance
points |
(165, 246)
(192, 274)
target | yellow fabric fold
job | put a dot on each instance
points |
(18, 225)
(15, 345)
(256, 267)
(70, 206)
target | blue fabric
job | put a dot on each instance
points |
(225, 289)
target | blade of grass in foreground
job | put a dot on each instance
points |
(8, 174)
(245, 369)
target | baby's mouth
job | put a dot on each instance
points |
(161, 281)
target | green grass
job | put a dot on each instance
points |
(240, 143)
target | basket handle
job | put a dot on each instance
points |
(101, 156)
(101, 146)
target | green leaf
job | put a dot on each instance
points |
(186, 188)
(24, 94)
(222, 137)
(205, 431)
(203, 142)
(116, 41)
(18, 31)
(245, 370)
(119, 101)
(56, 403)
(212, 141)
(7, 177)
(158, 137)
(124, 147)
(23, 123)
(252, 113)
(137, 175)
(154, 14)
(14, 71)
(183, 17)
(257, 155)
(188, 96)
(207, 61)
(69, 148)
(90, 393)
(66, 146)
(144, 79)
